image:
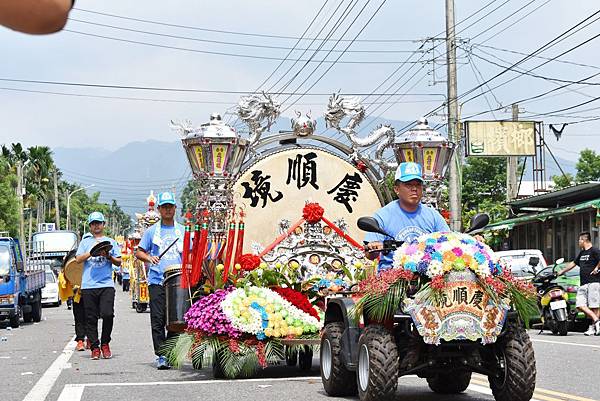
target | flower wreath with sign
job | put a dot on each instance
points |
(243, 328)
(427, 262)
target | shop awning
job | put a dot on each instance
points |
(542, 216)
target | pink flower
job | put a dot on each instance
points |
(457, 251)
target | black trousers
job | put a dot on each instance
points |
(125, 285)
(158, 317)
(80, 322)
(99, 303)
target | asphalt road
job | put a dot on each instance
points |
(37, 363)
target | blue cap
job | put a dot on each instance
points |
(408, 171)
(166, 198)
(96, 216)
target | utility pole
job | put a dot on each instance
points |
(56, 206)
(511, 165)
(20, 198)
(454, 189)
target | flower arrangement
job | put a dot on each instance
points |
(298, 299)
(266, 314)
(206, 316)
(425, 263)
(435, 254)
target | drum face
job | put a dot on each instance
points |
(278, 186)
(73, 271)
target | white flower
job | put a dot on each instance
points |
(435, 268)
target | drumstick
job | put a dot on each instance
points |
(169, 247)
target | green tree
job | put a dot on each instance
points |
(9, 204)
(189, 196)
(563, 181)
(588, 166)
(484, 188)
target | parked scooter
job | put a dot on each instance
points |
(552, 299)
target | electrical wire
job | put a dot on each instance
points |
(232, 32)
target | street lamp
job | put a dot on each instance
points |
(69, 203)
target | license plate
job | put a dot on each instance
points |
(558, 305)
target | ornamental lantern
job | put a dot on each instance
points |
(427, 147)
(215, 150)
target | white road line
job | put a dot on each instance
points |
(71, 392)
(40, 391)
(564, 343)
(182, 382)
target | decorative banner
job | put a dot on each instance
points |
(429, 160)
(500, 138)
(408, 154)
(277, 187)
(199, 157)
(466, 313)
(219, 156)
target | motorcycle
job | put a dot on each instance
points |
(552, 299)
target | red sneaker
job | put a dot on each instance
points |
(80, 346)
(95, 354)
(106, 354)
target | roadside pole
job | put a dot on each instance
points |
(511, 165)
(21, 215)
(454, 188)
(56, 206)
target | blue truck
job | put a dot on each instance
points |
(21, 283)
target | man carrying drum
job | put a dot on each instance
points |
(98, 253)
(159, 239)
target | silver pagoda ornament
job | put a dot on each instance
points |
(427, 147)
(214, 149)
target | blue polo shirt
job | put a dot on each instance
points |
(97, 271)
(172, 257)
(405, 226)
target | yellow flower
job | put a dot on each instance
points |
(268, 332)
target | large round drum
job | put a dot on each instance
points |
(178, 300)
(278, 185)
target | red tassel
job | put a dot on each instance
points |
(197, 267)
(229, 251)
(185, 256)
(195, 243)
(240, 237)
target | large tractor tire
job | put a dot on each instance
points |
(377, 371)
(517, 379)
(337, 380)
(450, 383)
(36, 310)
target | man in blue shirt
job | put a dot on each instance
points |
(97, 288)
(404, 219)
(156, 240)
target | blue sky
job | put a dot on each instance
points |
(69, 121)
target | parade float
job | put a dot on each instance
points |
(274, 235)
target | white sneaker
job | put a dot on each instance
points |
(597, 327)
(590, 331)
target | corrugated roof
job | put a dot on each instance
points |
(563, 197)
(542, 216)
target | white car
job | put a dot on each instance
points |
(50, 291)
(518, 261)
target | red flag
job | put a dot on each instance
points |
(200, 251)
(185, 256)
(229, 251)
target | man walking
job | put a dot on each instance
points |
(154, 242)
(97, 287)
(588, 293)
